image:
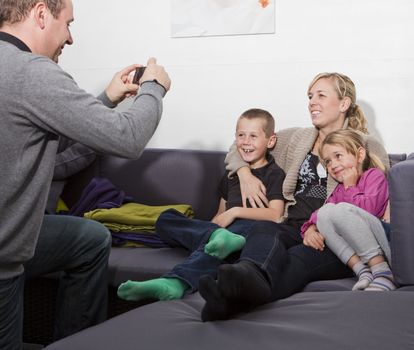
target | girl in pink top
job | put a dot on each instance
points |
(350, 220)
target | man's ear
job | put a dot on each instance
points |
(40, 13)
(272, 141)
(345, 104)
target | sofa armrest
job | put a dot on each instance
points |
(401, 179)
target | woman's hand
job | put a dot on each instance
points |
(252, 189)
(312, 238)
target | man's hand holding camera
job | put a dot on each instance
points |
(122, 85)
(157, 73)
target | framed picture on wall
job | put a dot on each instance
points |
(192, 18)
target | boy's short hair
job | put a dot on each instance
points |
(257, 113)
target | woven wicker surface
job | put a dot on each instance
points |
(40, 306)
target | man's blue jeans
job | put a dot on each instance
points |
(178, 230)
(11, 311)
(78, 247)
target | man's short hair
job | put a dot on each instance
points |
(14, 11)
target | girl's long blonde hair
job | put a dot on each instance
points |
(352, 141)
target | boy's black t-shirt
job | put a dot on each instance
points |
(271, 175)
(310, 191)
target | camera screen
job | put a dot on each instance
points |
(138, 74)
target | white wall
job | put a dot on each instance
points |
(217, 78)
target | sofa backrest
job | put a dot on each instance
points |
(396, 158)
(164, 176)
(160, 177)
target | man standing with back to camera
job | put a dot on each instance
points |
(40, 104)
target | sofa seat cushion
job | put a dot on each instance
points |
(344, 284)
(326, 320)
(140, 264)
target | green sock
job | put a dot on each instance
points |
(159, 288)
(223, 242)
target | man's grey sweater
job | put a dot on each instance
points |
(39, 102)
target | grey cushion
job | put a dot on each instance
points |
(330, 285)
(328, 320)
(401, 179)
(140, 264)
(164, 177)
(396, 158)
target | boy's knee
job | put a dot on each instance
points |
(165, 217)
(164, 222)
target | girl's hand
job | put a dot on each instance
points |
(312, 238)
(252, 189)
(350, 177)
(224, 219)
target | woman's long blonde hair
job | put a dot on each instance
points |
(352, 142)
(346, 88)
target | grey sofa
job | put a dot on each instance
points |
(325, 315)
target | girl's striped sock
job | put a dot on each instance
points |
(383, 279)
(364, 275)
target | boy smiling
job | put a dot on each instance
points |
(212, 242)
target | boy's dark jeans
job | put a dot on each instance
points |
(261, 246)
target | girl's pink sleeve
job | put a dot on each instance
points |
(370, 193)
(312, 221)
